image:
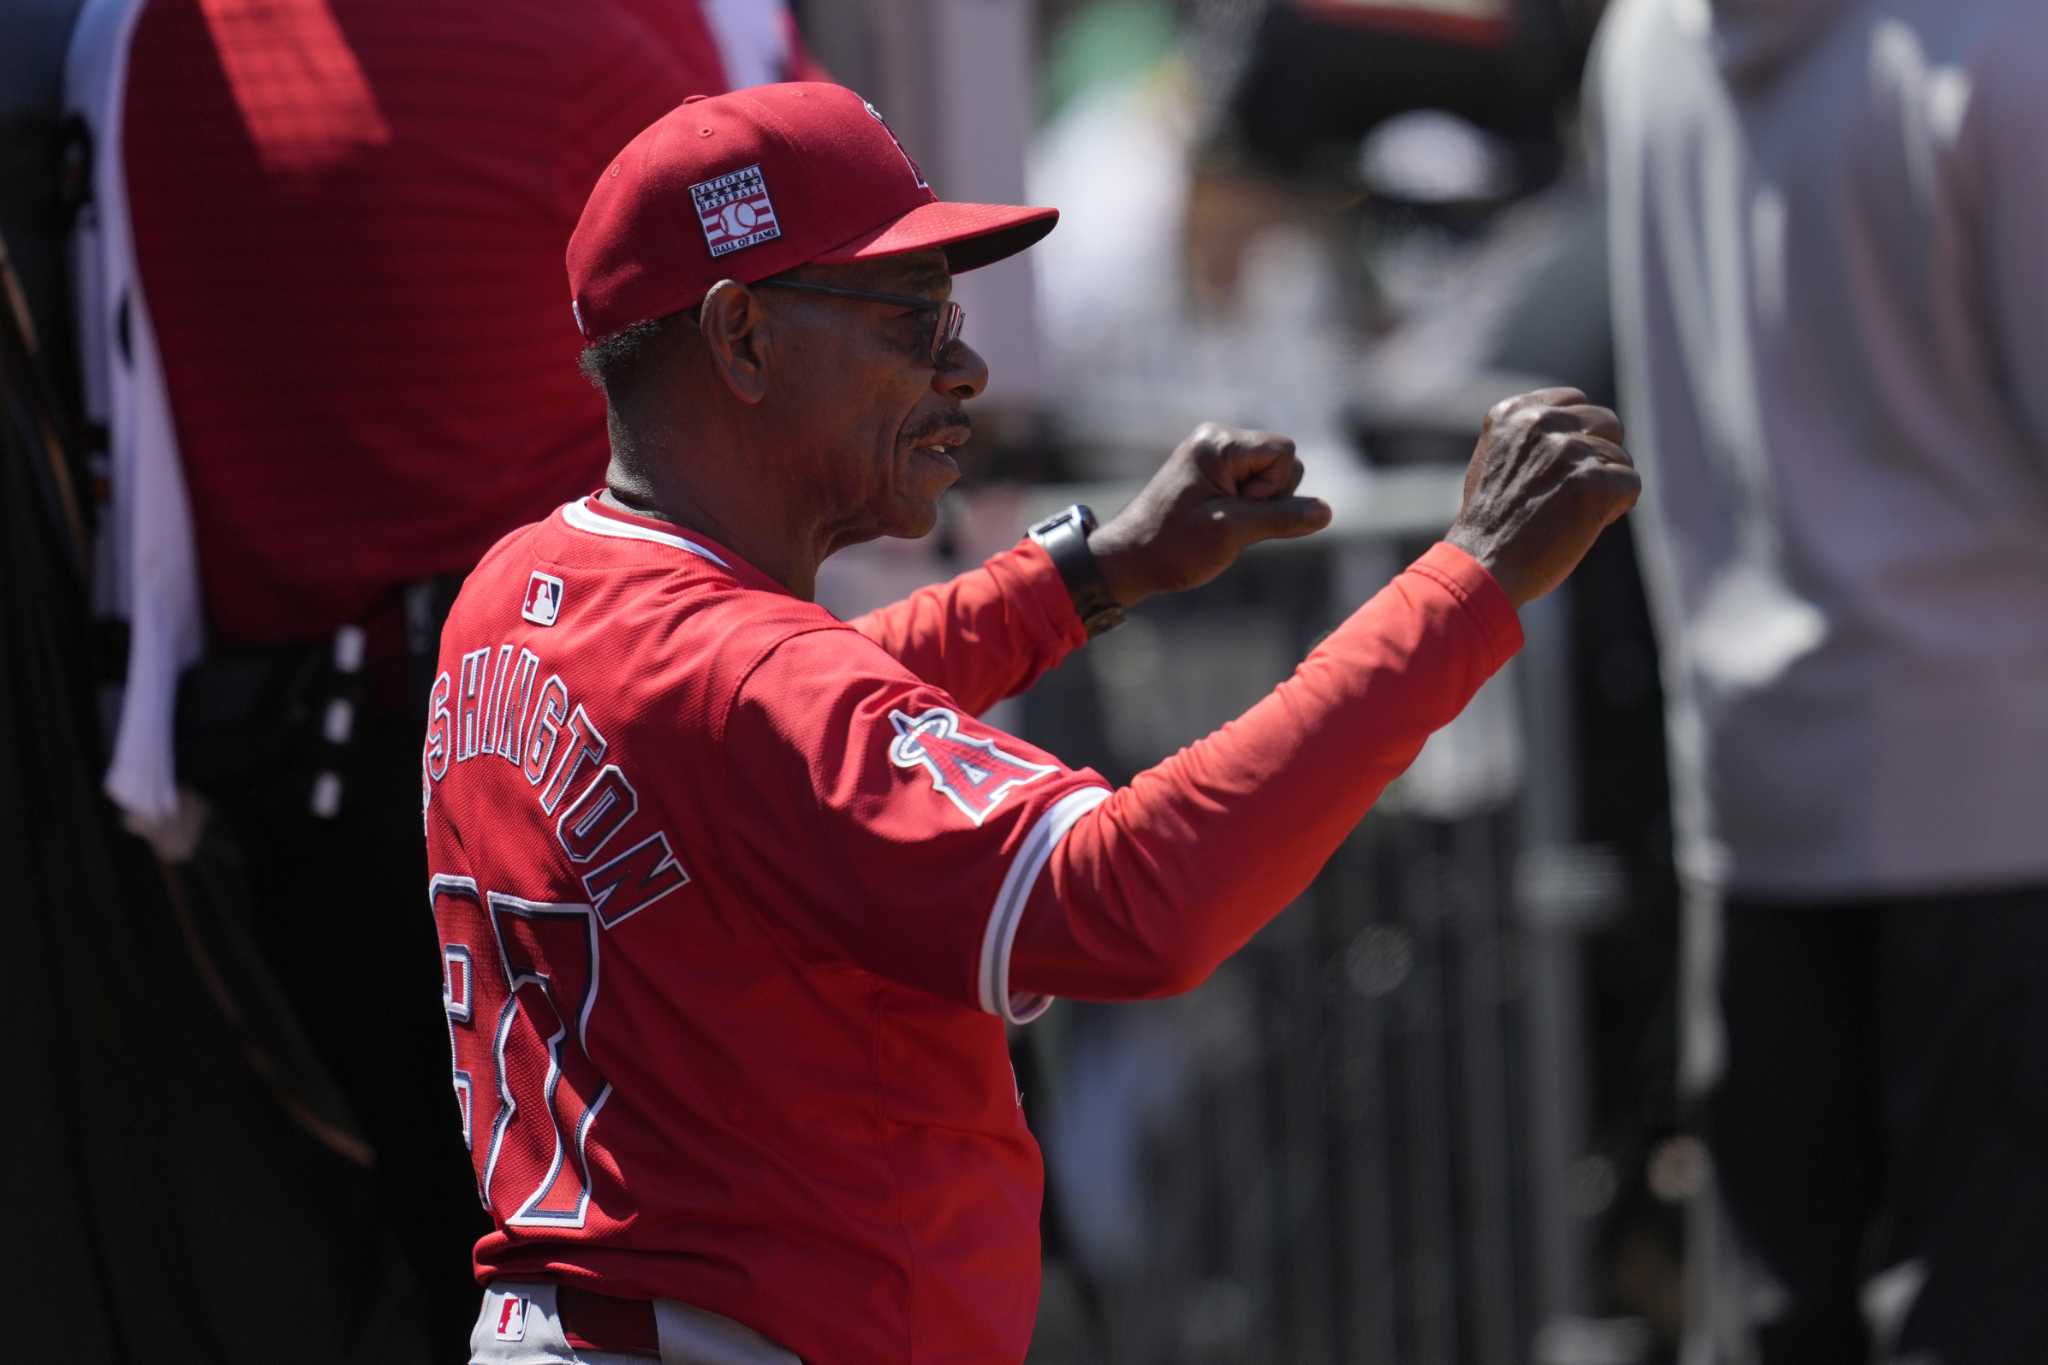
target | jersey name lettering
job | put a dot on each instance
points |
(972, 772)
(625, 863)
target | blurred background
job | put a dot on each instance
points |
(1429, 1117)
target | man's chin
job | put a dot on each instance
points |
(917, 510)
(916, 521)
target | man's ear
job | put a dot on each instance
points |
(736, 332)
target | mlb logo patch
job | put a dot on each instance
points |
(735, 211)
(512, 1319)
(543, 599)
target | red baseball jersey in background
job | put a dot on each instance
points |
(726, 892)
(349, 220)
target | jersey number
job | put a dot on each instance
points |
(519, 979)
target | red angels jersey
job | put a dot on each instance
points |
(726, 891)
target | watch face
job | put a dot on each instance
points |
(1077, 515)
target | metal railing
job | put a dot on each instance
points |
(1355, 1143)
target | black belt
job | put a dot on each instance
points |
(599, 1322)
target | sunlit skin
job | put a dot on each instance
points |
(796, 425)
(888, 417)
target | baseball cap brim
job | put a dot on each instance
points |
(973, 235)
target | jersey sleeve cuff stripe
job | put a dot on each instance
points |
(1008, 911)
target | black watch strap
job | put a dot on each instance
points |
(1065, 537)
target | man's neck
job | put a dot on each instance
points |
(794, 571)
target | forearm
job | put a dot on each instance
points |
(1151, 890)
(985, 635)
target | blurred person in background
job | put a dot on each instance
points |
(318, 274)
(1828, 221)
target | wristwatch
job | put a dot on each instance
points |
(1065, 537)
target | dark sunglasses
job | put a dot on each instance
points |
(947, 317)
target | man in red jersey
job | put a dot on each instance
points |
(736, 899)
(347, 219)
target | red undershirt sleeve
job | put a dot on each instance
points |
(1150, 890)
(986, 635)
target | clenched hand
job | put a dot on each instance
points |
(1548, 475)
(1221, 490)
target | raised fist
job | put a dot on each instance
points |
(1221, 490)
(1547, 476)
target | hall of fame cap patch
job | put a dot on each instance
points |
(735, 210)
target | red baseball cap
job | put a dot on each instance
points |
(749, 184)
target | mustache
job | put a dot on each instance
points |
(938, 422)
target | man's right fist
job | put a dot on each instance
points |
(1547, 477)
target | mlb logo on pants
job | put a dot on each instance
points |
(512, 1319)
(543, 599)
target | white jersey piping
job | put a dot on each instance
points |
(582, 518)
(1008, 911)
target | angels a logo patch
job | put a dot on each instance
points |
(916, 171)
(973, 773)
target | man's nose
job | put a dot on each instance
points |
(961, 372)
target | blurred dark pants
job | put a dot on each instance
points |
(1871, 1079)
(337, 911)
